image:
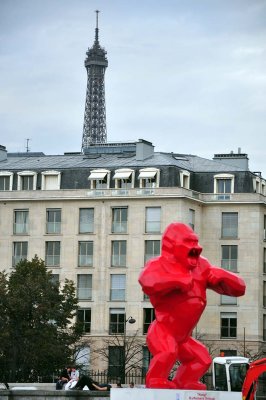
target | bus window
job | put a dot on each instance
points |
(220, 377)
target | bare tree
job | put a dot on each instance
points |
(129, 355)
(211, 346)
(250, 353)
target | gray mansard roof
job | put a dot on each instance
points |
(75, 167)
(191, 163)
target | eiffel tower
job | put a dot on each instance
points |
(94, 128)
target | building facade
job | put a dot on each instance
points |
(97, 217)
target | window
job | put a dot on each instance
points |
(100, 179)
(230, 300)
(117, 291)
(119, 253)
(27, 180)
(228, 325)
(228, 353)
(119, 220)
(55, 279)
(20, 252)
(53, 220)
(117, 321)
(51, 180)
(264, 231)
(145, 297)
(153, 220)
(115, 361)
(264, 260)
(148, 317)
(185, 179)
(149, 177)
(85, 254)
(264, 294)
(124, 178)
(263, 186)
(223, 186)
(21, 222)
(152, 249)
(191, 218)
(264, 327)
(223, 183)
(86, 220)
(220, 377)
(6, 180)
(27, 183)
(256, 184)
(84, 289)
(230, 225)
(146, 358)
(52, 254)
(83, 356)
(84, 319)
(229, 258)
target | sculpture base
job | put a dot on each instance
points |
(172, 394)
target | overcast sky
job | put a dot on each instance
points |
(187, 75)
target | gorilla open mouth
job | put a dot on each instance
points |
(193, 256)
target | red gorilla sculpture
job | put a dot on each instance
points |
(176, 283)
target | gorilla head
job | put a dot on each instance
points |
(180, 243)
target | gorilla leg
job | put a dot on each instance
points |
(195, 361)
(164, 350)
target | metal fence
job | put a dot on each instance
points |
(138, 377)
(103, 377)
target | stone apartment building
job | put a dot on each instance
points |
(97, 217)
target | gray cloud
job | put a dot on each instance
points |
(187, 75)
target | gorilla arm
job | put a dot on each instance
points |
(225, 282)
(157, 277)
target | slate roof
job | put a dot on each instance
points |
(40, 161)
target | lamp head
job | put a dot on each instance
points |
(131, 320)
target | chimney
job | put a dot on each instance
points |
(144, 149)
(3, 153)
(238, 159)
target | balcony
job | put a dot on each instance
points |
(163, 192)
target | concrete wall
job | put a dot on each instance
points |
(20, 394)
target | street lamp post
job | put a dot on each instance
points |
(130, 320)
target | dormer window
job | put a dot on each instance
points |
(100, 179)
(259, 185)
(185, 179)
(6, 180)
(149, 178)
(124, 178)
(51, 180)
(27, 180)
(224, 183)
(263, 188)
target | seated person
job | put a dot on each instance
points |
(74, 377)
(64, 378)
(85, 380)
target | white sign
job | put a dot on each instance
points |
(171, 394)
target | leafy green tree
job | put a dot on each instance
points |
(36, 323)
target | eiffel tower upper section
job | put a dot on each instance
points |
(94, 128)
